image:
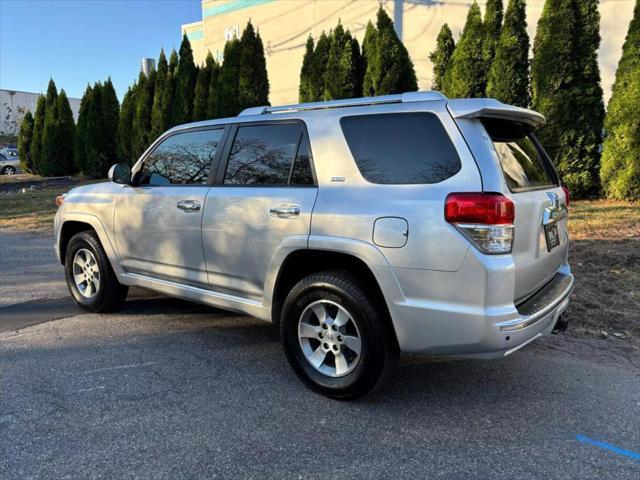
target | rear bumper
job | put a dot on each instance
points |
(473, 317)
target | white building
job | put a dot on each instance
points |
(14, 104)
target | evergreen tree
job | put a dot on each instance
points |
(318, 67)
(441, 56)
(50, 137)
(111, 119)
(253, 83)
(508, 79)
(370, 60)
(396, 73)
(492, 25)
(304, 90)
(80, 140)
(173, 63)
(203, 81)
(360, 66)
(228, 80)
(38, 129)
(52, 94)
(343, 67)
(566, 91)
(185, 75)
(63, 163)
(94, 160)
(142, 116)
(212, 97)
(160, 110)
(465, 75)
(620, 172)
(25, 137)
(125, 126)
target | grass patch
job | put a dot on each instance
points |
(32, 211)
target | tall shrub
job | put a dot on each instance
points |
(125, 126)
(565, 88)
(162, 97)
(212, 97)
(228, 81)
(620, 172)
(142, 116)
(38, 129)
(253, 82)
(465, 76)
(304, 89)
(80, 139)
(185, 78)
(441, 56)
(508, 78)
(25, 137)
(202, 89)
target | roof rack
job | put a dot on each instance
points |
(349, 102)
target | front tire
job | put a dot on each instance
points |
(90, 278)
(9, 170)
(337, 338)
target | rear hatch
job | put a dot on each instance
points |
(540, 234)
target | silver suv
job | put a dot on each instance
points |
(361, 228)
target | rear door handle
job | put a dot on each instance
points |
(189, 205)
(285, 211)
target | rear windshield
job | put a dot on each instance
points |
(401, 148)
(523, 162)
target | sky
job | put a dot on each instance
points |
(76, 42)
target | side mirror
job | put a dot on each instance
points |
(120, 173)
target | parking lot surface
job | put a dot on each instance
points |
(168, 389)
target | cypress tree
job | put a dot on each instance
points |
(80, 140)
(93, 146)
(319, 65)
(125, 126)
(370, 60)
(111, 119)
(253, 84)
(396, 73)
(332, 74)
(38, 128)
(25, 137)
(228, 81)
(566, 92)
(304, 90)
(359, 65)
(173, 63)
(620, 172)
(50, 137)
(65, 132)
(508, 79)
(159, 111)
(142, 116)
(343, 67)
(203, 81)
(441, 56)
(492, 25)
(465, 75)
(52, 94)
(212, 97)
(186, 74)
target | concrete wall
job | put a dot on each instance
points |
(13, 106)
(284, 26)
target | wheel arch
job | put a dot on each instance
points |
(303, 262)
(80, 222)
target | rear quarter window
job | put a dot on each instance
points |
(401, 148)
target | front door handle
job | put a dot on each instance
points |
(189, 205)
(285, 211)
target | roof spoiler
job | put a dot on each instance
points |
(489, 107)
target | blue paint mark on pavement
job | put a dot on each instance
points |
(608, 446)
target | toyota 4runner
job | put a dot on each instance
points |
(362, 228)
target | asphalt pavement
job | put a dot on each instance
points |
(169, 389)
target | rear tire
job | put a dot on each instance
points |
(337, 338)
(91, 280)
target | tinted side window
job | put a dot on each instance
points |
(263, 154)
(183, 159)
(301, 174)
(401, 148)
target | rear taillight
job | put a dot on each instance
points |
(566, 195)
(484, 218)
